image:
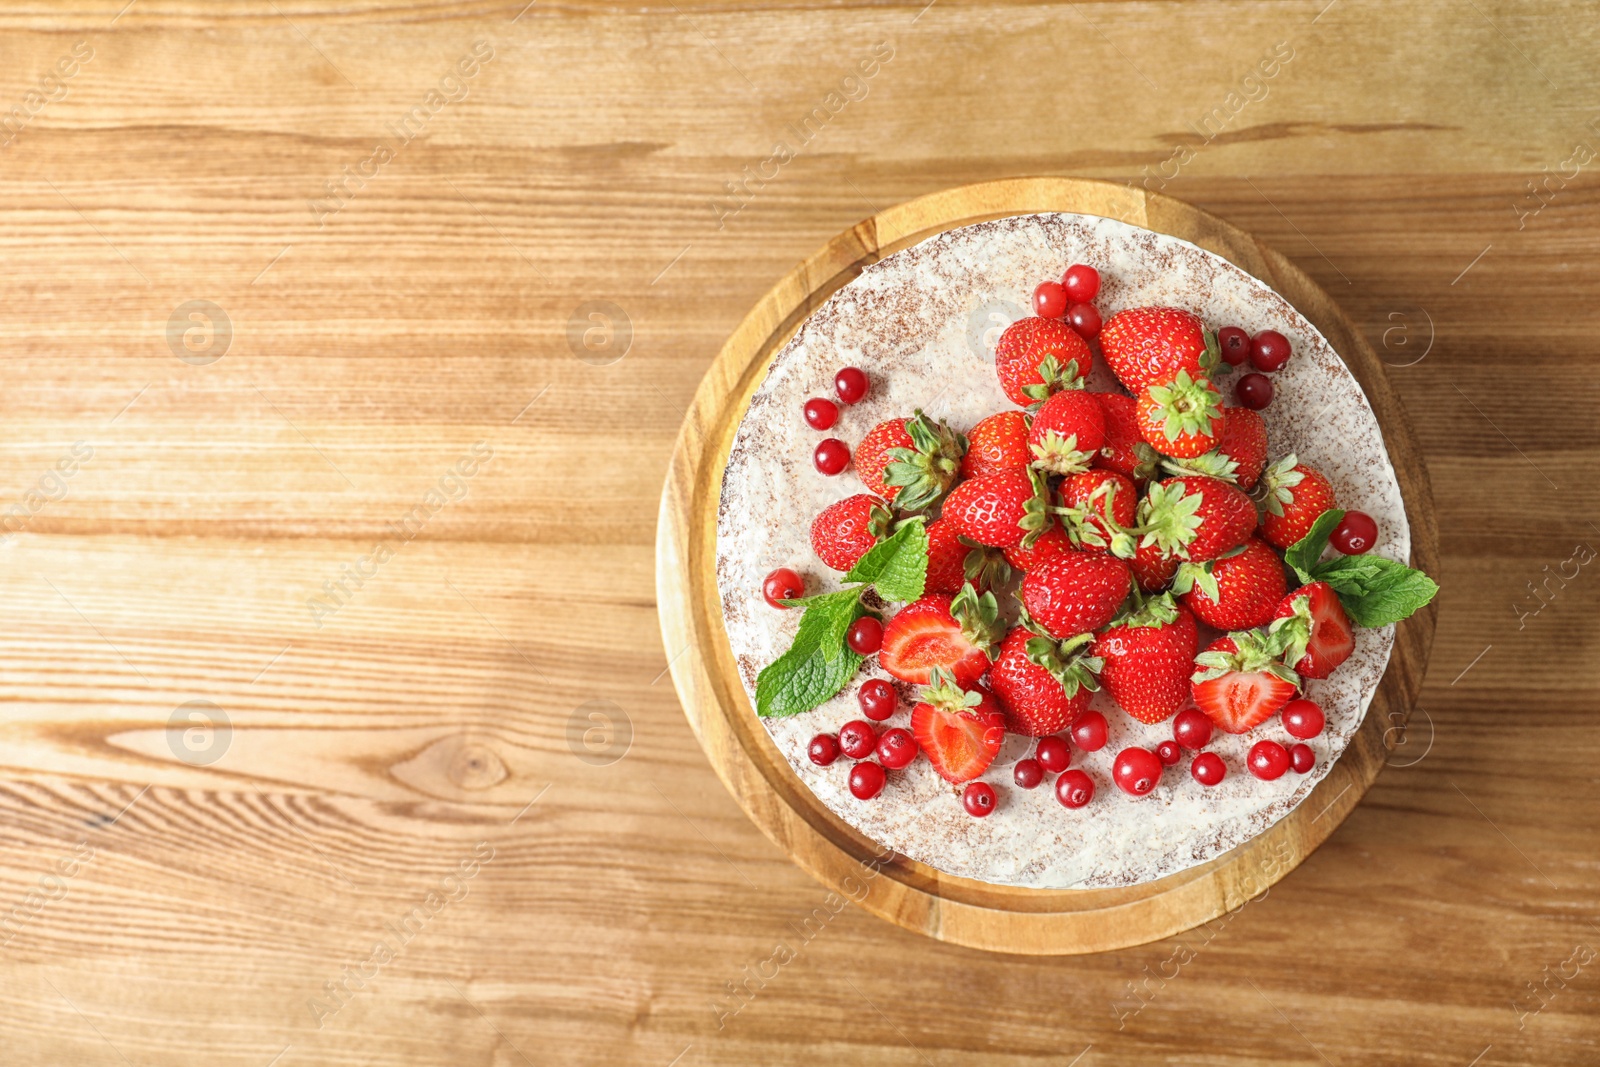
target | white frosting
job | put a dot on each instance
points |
(922, 324)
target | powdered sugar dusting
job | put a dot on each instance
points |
(922, 323)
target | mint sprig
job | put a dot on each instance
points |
(1374, 591)
(819, 663)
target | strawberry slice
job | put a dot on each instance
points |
(959, 731)
(1329, 637)
(955, 634)
(1240, 683)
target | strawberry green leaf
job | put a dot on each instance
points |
(1304, 553)
(818, 664)
(1376, 591)
(897, 566)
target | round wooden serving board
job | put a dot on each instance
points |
(917, 897)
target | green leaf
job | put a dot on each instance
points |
(818, 664)
(1376, 591)
(898, 565)
(1304, 553)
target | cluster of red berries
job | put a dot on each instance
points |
(1267, 352)
(832, 455)
(858, 739)
(1070, 299)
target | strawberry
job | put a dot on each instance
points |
(953, 561)
(959, 731)
(1235, 591)
(912, 462)
(1152, 568)
(1067, 432)
(1328, 636)
(1240, 455)
(1149, 656)
(1036, 357)
(1179, 416)
(844, 531)
(955, 634)
(1292, 496)
(1195, 518)
(1149, 344)
(1074, 592)
(998, 443)
(1043, 684)
(1052, 542)
(1001, 510)
(1125, 451)
(1096, 504)
(1239, 683)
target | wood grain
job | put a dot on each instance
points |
(370, 352)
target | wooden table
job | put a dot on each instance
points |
(336, 725)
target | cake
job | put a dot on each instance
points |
(923, 325)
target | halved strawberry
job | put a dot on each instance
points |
(1239, 682)
(955, 634)
(1148, 657)
(912, 462)
(842, 532)
(999, 442)
(1067, 432)
(1292, 496)
(1000, 510)
(1043, 684)
(1125, 451)
(1235, 591)
(1036, 357)
(953, 561)
(1329, 637)
(959, 731)
(1074, 592)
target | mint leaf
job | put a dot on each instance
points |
(897, 566)
(1304, 553)
(818, 664)
(1376, 591)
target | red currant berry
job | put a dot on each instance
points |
(1303, 719)
(1302, 758)
(1192, 729)
(1169, 753)
(1049, 300)
(978, 799)
(1074, 789)
(1269, 350)
(831, 456)
(857, 739)
(866, 780)
(820, 413)
(1268, 760)
(865, 635)
(878, 699)
(1137, 770)
(1082, 283)
(896, 748)
(1089, 731)
(1356, 533)
(1053, 754)
(1235, 345)
(1253, 390)
(824, 749)
(851, 385)
(1208, 768)
(782, 584)
(1084, 320)
(1027, 773)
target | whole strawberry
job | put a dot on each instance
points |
(1096, 505)
(1196, 518)
(843, 532)
(957, 635)
(999, 442)
(952, 561)
(1240, 455)
(1036, 357)
(1001, 510)
(1067, 432)
(1180, 416)
(1042, 684)
(1293, 496)
(1052, 542)
(1074, 592)
(1153, 568)
(1150, 344)
(1239, 682)
(1236, 591)
(1322, 635)
(1125, 451)
(912, 462)
(1148, 657)
(959, 729)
